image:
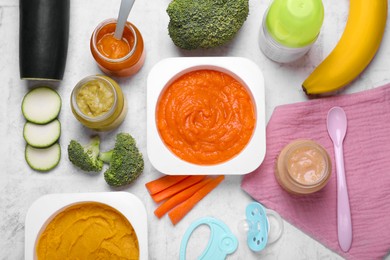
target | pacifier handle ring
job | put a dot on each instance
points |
(279, 220)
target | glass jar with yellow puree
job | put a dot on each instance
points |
(98, 103)
(303, 167)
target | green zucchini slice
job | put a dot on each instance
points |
(41, 105)
(41, 136)
(43, 159)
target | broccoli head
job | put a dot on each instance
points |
(126, 161)
(205, 23)
(86, 157)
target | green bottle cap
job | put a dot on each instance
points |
(295, 23)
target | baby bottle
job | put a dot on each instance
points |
(289, 28)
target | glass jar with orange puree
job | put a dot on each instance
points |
(98, 103)
(303, 167)
(121, 58)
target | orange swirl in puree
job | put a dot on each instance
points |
(113, 48)
(205, 117)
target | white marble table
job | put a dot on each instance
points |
(20, 186)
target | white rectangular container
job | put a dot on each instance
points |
(46, 207)
(243, 70)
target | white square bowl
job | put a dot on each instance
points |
(243, 70)
(46, 207)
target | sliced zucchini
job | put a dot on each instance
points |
(41, 136)
(41, 105)
(43, 159)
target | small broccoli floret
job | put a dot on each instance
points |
(205, 23)
(86, 157)
(126, 161)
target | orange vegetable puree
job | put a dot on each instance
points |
(88, 231)
(113, 48)
(205, 117)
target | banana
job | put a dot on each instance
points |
(355, 50)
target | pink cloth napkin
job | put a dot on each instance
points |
(367, 166)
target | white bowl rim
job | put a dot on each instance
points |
(46, 207)
(242, 69)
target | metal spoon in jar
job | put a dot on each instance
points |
(337, 127)
(124, 12)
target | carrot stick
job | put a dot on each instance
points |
(163, 183)
(179, 198)
(180, 211)
(184, 184)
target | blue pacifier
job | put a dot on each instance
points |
(263, 226)
(222, 241)
(258, 226)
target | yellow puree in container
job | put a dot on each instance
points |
(95, 98)
(88, 231)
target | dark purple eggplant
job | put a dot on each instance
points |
(43, 43)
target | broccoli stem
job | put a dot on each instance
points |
(93, 146)
(106, 156)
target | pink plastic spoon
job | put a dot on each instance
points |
(337, 127)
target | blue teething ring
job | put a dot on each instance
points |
(222, 241)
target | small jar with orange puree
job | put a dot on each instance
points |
(120, 58)
(303, 167)
(98, 103)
